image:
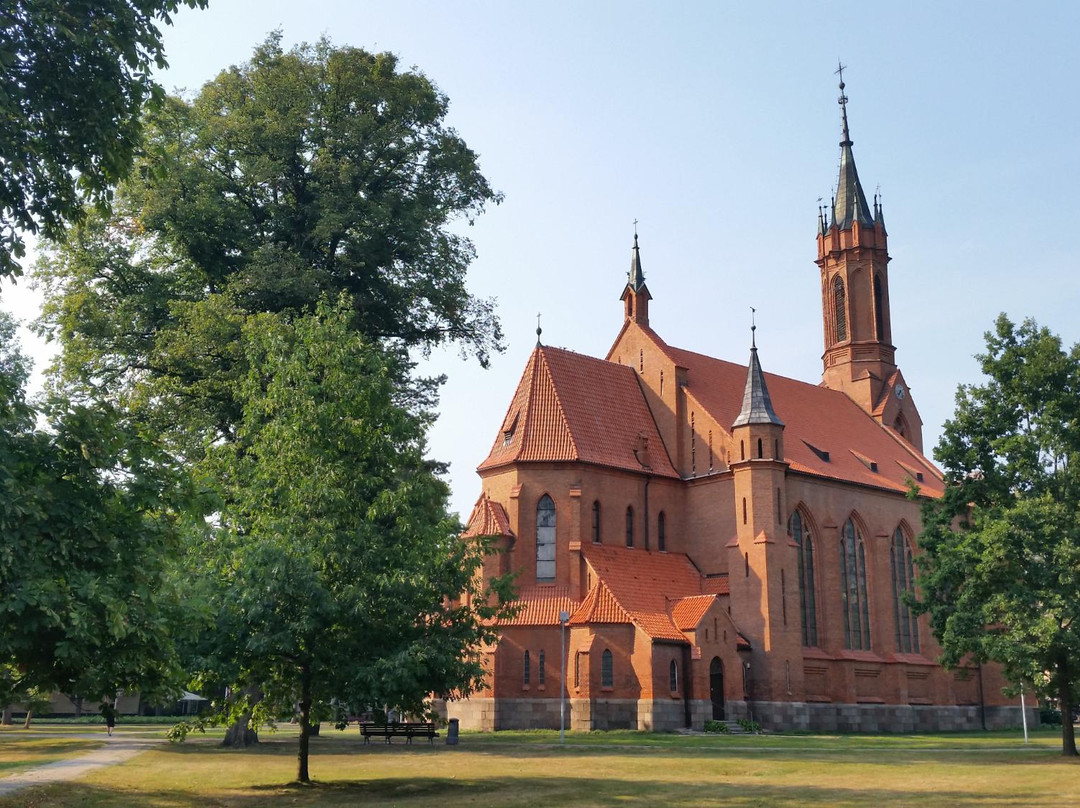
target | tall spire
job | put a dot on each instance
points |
(850, 204)
(635, 294)
(635, 278)
(756, 404)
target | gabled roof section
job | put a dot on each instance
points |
(600, 606)
(644, 588)
(541, 605)
(571, 407)
(687, 612)
(820, 423)
(757, 404)
(488, 518)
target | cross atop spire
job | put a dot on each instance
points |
(842, 101)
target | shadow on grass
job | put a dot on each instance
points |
(519, 791)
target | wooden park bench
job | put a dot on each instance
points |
(407, 730)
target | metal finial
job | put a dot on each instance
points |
(842, 101)
(753, 328)
(539, 330)
(635, 231)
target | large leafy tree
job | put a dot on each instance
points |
(306, 172)
(74, 75)
(1000, 571)
(88, 526)
(334, 571)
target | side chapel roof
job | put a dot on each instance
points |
(488, 518)
(572, 407)
(645, 588)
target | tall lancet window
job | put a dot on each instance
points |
(907, 627)
(800, 534)
(853, 590)
(879, 309)
(545, 539)
(841, 309)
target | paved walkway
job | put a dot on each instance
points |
(117, 749)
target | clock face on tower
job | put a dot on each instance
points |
(900, 391)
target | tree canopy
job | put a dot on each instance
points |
(334, 572)
(1000, 571)
(74, 75)
(88, 516)
(255, 297)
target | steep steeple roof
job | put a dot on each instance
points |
(850, 203)
(635, 278)
(756, 406)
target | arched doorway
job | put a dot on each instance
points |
(716, 688)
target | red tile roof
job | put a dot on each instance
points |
(645, 588)
(569, 407)
(488, 518)
(540, 606)
(815, 416)
(687, 612)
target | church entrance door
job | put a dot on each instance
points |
(716, 688)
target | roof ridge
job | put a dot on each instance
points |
(576, 451)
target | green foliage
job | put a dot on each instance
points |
(179, 731)
(315, 171)
(335, 572)
(716, 726)
(1000, 568)
(753, 727)
(88, 526)
(74, 75)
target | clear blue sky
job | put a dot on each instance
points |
(716, 126)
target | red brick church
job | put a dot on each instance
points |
(724, 543)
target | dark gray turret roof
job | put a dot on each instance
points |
(756, 406)
(635, 278)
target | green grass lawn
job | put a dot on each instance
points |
(26, 751)
(613, 768)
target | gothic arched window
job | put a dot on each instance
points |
(629, 527)
(840, 300)
(607, 669)
(525, 676)
(545, 539)
(541, 674)
(661, 531)
(907, 627)
(853, 590)
(879, 309)
(673, 676)
(800, 534)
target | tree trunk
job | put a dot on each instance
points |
(6, 720)
(305, 726)
(240, 735)
(30, 714)
(77, 701)
(1068, 735)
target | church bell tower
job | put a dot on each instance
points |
(853, 257)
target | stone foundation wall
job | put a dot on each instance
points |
(897, 718)
(667, 715)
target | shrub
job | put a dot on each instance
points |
(752, 727)
(716, 726)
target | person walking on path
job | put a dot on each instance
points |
(109, 711)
